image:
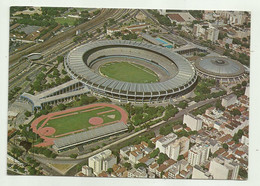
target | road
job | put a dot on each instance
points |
(18, 76)
(195, 42)
(154, 128)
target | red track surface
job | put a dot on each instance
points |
(95, 121)
(100, 113)
(47, 131)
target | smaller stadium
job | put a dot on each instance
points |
(80, 125)
(223, 69)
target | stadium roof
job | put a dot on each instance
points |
(220, 66)
(185, 77)
(89, 135)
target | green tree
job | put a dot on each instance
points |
(27, 114)
(180, 157)
(109, 170)
(235, 112)
(74, 156)
(60, 59)
(61, 106)
(154, 153)
(243, 173)
(225, 146)
(127, 165)
(244, 83)
(140, 165)
(162, 157)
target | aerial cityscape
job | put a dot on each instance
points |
(129, 93)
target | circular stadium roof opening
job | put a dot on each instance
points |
(220, 62)
(176, 75)
(220, 68)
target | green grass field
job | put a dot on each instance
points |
(80, 121)
(62, 21)
(129, 72)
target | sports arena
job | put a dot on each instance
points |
(80, 125)
(131, 71)
(220, 68)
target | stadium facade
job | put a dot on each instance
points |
(177, 76)
(221, 68)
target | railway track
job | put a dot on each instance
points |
(68, 42)
(63, 47)
(105, 14)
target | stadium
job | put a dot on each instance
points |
(130, 71)
(80, 125)
(220, 68)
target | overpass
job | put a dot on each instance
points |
(63, 92)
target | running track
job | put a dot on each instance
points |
(50, 141)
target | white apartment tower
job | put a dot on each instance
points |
(198, 154)
(193, 122)
(102, 161)
(222, 168)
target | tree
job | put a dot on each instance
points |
(127, 165)
(140, 165)
(219, 106)
(98, 30)
(227, 46)
(182, 104)
(151, 144)
(225, 146)
(60, 59)
(154, 153)
(244, 83)
(180, 157)
(235, 112)
(74, 156)
(61, 106)
(162, 157)
(243, 172)
(109, 170)
(27, 114)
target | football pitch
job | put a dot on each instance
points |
(74, 120)
(80, 119)
(128, 72)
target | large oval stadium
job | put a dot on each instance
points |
(131, 71)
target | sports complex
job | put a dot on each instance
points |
(76, 126)
(224, 69)
(130, 71)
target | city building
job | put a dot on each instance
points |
(229, 100)
(193, 122)
(247, 91)
(222, 168)
(198, 154)
(86, 170)
(212, 34)
(102, 161)
(181, 18)
(137, 173)
(199, 173)
(134, 156)
(163, 142)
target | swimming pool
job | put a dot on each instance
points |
(160, 40)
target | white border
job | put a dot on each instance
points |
(254, 154)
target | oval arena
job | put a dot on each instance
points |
(175, 76)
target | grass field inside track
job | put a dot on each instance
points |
(80, 121)
(128, 72)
